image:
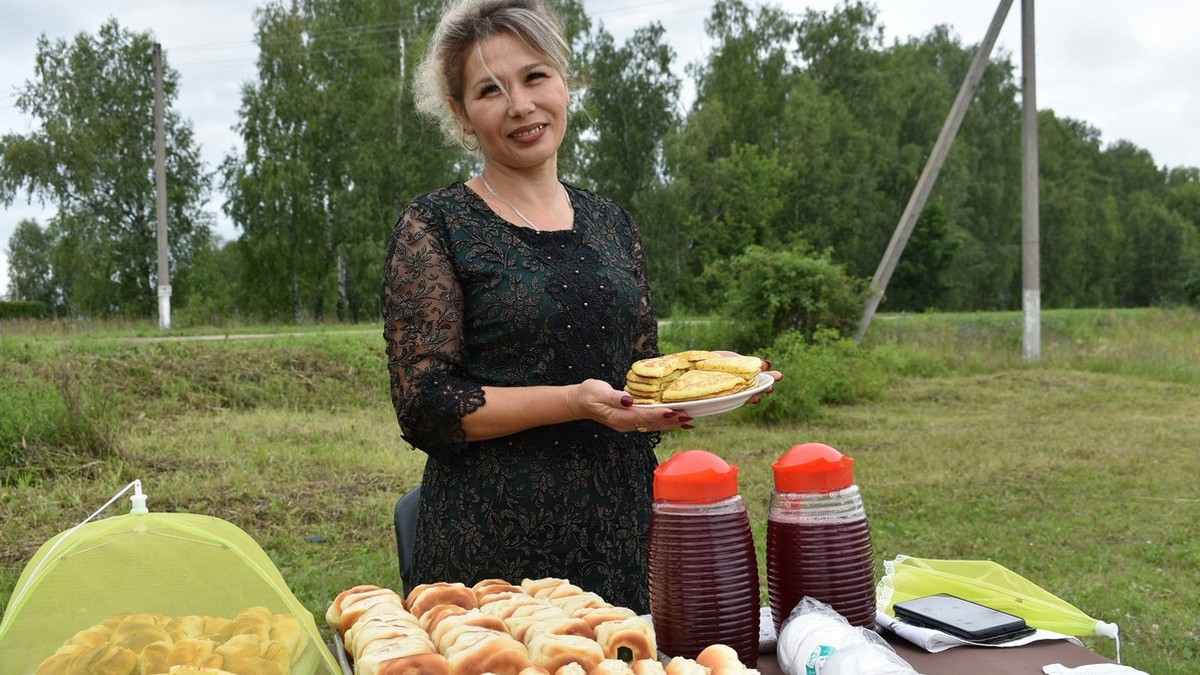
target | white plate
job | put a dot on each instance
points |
(720, 404)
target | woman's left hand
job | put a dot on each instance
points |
(599, 401)
(766, 367)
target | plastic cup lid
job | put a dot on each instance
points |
(695, 476)
(813, 467)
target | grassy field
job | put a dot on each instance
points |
(1079, 472)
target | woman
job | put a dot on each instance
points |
(513, 306)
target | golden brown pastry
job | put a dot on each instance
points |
(287, 632)
(629, 639)
(430, 619)
(357, 605)
(563, 625)
(191, 626)
(721, 660)
(552, 651)
(611, 667)
(105, 660)
(536, 586)
(92, 637)
(594, 616)
(137, 631)
(505, 607)
(560, 591)
(426, 596)
(58, 662)
(684, 666)
(748, 367)
(247, 654)
(647, 667)
(333, 615)
(416, 664)
(254, 621)
(194, 652)
(197, 670)
(372, 636)
(521, 621)
(447, 630)
(486, 652)
(489, 587)
(155, 657)
(573, 603)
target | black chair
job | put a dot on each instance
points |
(406, 531)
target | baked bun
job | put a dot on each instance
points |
(552, 651)
(594, 616)
(427, 596)
(562, 625)
(611, 667)
(629, 640)
(684, 666)
(486, 651)
(647, 667)
(721, 660)
(413, 664)
(333, 615)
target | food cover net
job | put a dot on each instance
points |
(142, 592)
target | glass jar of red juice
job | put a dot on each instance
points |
(704, 586)
(818, 539)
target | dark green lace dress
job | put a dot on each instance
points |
(470, 300)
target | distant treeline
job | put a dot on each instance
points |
(806, 136)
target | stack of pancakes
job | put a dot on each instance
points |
(690, 376)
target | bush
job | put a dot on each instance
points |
(773, 292)
(828, 370)
(22, 309)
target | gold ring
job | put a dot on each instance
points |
(642, 429)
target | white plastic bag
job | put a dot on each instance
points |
(816, 640)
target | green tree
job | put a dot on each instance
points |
(1080, 228)
(93, 158)
(920, 281)
(30, 275)
(273, 194)
(630, 104)
(1159, 253)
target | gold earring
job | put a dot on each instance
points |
(463, 134)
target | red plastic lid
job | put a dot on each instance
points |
(813, 467)
(695, 476)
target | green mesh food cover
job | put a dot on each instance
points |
(153, 592)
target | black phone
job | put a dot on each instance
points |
(962, 618)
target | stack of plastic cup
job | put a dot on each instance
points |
(704, 586)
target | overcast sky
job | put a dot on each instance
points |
(1129, 69)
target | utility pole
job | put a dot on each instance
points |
(916, 203)
(1031, 281)
(160, 181)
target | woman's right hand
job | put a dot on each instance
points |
(599, 401)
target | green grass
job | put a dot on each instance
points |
(1078, 472)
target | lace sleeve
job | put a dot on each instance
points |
(423, 314)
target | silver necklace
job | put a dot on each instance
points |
(504, 201)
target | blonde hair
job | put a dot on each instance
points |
(463, 26)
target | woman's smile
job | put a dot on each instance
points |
(515, 103)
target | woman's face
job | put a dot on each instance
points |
(514, 101)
